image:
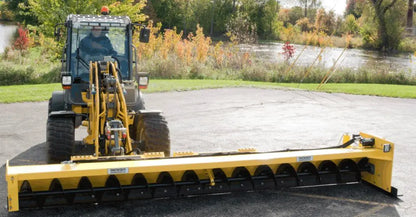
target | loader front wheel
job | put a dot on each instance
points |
(151, 133)
(60, 138)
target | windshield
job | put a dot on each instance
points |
(95, 43)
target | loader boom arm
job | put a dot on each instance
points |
(108, 116)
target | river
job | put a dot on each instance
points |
(352, 58)
(6, 35)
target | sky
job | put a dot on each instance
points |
(337, 5)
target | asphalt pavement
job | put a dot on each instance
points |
(227, 119)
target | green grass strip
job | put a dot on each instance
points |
(27, 93)
(388, 90)
(42, 92)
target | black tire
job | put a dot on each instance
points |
(151, 133)
(50, 105)
(56, 102)
(60, 138)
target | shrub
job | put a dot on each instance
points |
(22, 41)
(288, 50)
(9, 75)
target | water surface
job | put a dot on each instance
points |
(352, 58)
(6, 35)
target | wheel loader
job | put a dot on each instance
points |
(128, 147)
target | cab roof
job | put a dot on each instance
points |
(98, 20)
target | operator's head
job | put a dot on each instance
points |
(96, 31)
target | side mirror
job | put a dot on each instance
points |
(144, 35)
(57, 31)
(57, 34)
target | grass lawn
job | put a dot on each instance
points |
(42, 92)
(24, 93)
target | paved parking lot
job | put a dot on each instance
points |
(265, 119)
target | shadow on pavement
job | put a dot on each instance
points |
(340, 200)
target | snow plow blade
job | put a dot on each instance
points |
(98, 180)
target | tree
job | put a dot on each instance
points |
(350, 24)
(295, 14)
(149, 10)
(264, 14)
(325, 21)
(169, 12)
(129, 8)
(186, 14)
(349, 8)
(381, 7)
(309, 4)
(269, 19)
(339, 26)
(51, 12)
(21, 11)
(240, 29)
(199, 12)
(410, 13)
(223, 13)
(355, 7)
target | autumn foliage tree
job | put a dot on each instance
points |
(325, 21)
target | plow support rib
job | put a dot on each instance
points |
(93, 182)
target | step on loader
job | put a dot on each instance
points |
(129, 155)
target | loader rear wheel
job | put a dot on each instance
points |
(60, 138)
(151, 133)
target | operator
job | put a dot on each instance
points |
(97, 44)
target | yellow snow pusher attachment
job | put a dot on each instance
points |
(126, 154)
(100, 180)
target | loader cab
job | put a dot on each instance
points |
(95, 38)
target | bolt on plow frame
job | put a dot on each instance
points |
(128, 155)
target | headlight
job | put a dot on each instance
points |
(66, 81)
(143, 80)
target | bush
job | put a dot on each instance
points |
(10, 76)
(407, 45)
(33, 68)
